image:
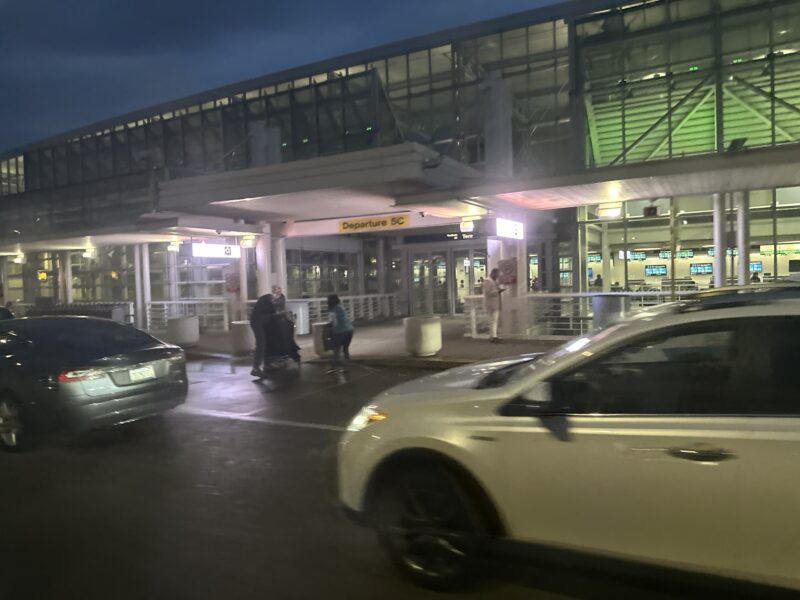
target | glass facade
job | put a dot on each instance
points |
(671, 243)
(680, 78)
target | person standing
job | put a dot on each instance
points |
(341, 328)
(263, 311)
(492, 302)
(278, 299)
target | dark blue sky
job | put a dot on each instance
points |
(68, 63)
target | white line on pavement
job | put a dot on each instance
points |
(219, 414)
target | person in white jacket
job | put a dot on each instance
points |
(492, 301)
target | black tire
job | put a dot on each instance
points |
(429, 527)
(15, 434)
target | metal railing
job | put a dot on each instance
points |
(544, 315)
(213, 313)
(358, 308)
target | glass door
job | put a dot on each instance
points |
(441, 290)
(421, 297)
(430, 283)
(461, 268)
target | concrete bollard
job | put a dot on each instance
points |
(183, 331)
(423, 335)
(243, 340)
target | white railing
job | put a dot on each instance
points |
(358, 308)
(543, 315)
(213, 314)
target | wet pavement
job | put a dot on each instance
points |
(230, 497)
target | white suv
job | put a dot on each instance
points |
(671, 438)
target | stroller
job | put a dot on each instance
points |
(281, 353)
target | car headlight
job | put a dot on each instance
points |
(367, 415)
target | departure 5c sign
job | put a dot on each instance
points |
(380, 223)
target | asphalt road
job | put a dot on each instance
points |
(230, 497)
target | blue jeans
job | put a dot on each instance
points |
(341, 344)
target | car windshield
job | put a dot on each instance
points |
(80, 339)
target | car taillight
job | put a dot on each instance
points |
(79, 375)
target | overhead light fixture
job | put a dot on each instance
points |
(89, 253)
(174, 247)
(20, 259)
(467, 226)
(248, 241)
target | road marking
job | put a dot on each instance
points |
(220, 414)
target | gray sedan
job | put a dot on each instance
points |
(78, 373)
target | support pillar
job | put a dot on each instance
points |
(605, 253)
(137, 278)
(382, 265)
(65, 277)
(743, 236)
(147, 293)
(6, 296)
(171, 292)
(244, 291)
(264, 263)
(278, 250)
(720, 241)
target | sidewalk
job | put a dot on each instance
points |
(383, 344)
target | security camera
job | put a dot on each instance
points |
(422, 214)
(219, 231)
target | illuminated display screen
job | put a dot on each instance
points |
(655, 270)
(701, 269)
(756, 266)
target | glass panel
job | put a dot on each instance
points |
(461, 267)
(441, 292)
(421, 299)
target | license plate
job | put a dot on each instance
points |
(142, 373)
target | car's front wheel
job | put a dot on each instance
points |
(428, 526)
(14, 434)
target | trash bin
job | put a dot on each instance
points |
(243, 340)
(183, 331)
(322, 339)
(608, 308)
(423, 335)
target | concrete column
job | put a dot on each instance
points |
(244, 292)
(141, 321)
(65, 277)
(497, 126)
(264, 263)
(720, 241)
(743, 236)
(147, 293)
(605, 252)
(279, 274)
(171, 292)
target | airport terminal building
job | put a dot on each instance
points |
(643, 147)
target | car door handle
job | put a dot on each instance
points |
(701, 454)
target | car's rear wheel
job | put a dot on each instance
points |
(428, 526)
(14, 434)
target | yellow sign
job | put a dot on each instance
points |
(41, 275)
(380, 223)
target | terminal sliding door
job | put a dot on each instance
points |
(442, 279)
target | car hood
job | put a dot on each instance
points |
(466, 377)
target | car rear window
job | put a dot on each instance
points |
(81, 338)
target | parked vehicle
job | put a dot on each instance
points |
(79, 373)
(670, 439)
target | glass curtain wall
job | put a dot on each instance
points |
(677, 78)
(429, 95)
(654, 245)
(314, 273)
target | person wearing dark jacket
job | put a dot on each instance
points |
(263, 312)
